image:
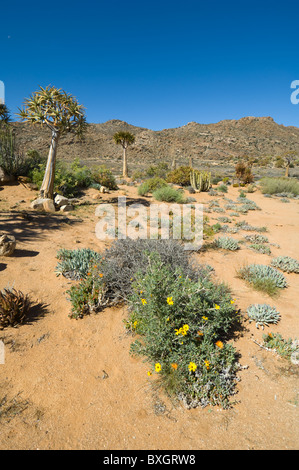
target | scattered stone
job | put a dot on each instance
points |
(103, 189)
(66, 208)
(60, 200)
(7, 245)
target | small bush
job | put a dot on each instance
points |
(260, 248)
(181, 328)
(285, 348)
(256, 238)
(227, 243)
(180, 176)
(151, 185)
(160, 170)
(263, 315)
(104, 177)
(222, 188)
(75, 264)
(286, 264)
(279, 185)
(14, 307)
(263, 278)
(111, 276)
(168, 194)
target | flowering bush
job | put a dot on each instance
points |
(182, 325)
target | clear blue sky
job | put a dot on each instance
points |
(155, 64)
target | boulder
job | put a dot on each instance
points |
(43, 204)
(7, 245)
(5, 178)
(60, 200)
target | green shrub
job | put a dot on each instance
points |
(69, 179)
(160, 170)
(181, 328)
(168, 194)
(103, 176)
(222, 188)
(115, 270)
(227, 243)
(180, 176)
(285, 348)
(279, 185)
(14, 307)
(260, 248)
(255, 238)
(75, 264)
(263, 314)
(286, 264)
(151, 185)
(263, 278)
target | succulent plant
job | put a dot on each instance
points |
(74, 264)
(260, 248)
(262, 314)
(14, 307)
(255, 238)
(227, 243)
(286, 264)
(200, 180)
(263, 272)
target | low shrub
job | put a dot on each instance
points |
(111, 273)
(180, 176)
(104, 176)
(284, 348)
(263, 314)
(75, 264)
(260, 248)
(160, 170)
(279, 185)
(168, 194)
(151, 185)
(14, 307)
(263, 278)
(286, 264)
(227, 243)
(181, 327)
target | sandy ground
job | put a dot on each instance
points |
(70, 384)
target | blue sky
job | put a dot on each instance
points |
(155, 64)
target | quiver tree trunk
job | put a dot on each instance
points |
(47, 187)
(125, 164)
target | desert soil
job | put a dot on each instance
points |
(72, 384)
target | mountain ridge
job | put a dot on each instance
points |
(223, 141)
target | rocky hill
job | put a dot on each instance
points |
(253, 136)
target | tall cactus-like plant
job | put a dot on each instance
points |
(200, 180)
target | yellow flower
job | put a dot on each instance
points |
(207, 364)
(217, 307)
(186, 327)
(192, 367)
(135, 323)
(177, 332)
(219, 344)
(200, 333)
(205, 318)
(149, 373)
(158, 367)
(167, 319)
(174, 366)
(169, 301)
(143, 301)
(232, 301)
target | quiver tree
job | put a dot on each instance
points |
(289, 158)
(124, 139)
(61, 113)
(4, 114)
